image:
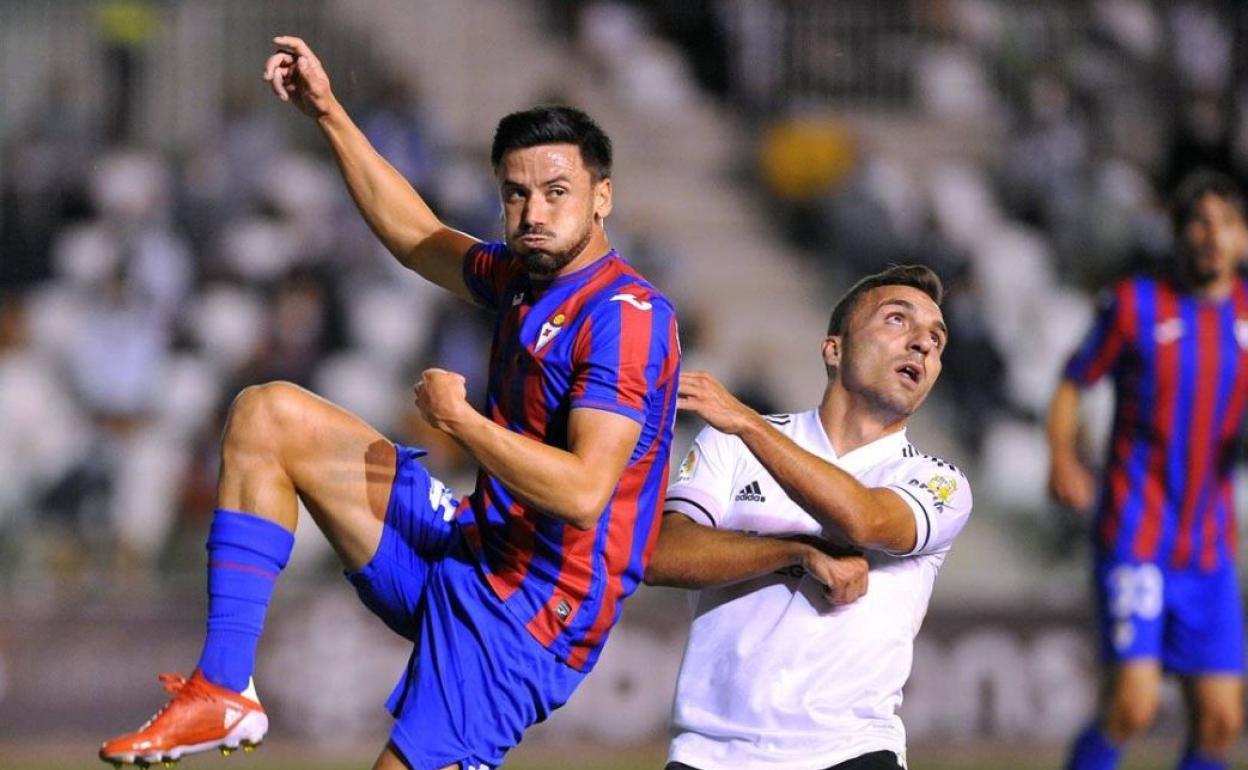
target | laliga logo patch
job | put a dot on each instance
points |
(686, 468)
(549, 330)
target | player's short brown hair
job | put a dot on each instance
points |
(916, 276)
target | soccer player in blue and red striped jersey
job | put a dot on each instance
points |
(1176, 349)
(510, 593)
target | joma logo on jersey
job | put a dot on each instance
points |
(631, 299)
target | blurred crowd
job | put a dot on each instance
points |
(1025, 151)
(141, 288)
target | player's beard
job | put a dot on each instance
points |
(1198, 271)
(548, 263)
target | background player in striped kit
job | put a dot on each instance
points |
(509, 595)
(1176, 348)
(780, 673)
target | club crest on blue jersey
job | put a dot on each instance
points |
(549, 330)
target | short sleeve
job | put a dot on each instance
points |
(939, 496)
(702, 488)
(488, 268)
(1103, 343)
(623, 351)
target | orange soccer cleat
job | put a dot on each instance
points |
(201, 716)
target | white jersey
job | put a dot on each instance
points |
(773, 676)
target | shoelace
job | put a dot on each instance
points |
(173, 683)
(179, 687)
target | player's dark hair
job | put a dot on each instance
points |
(915, 276)
(1197, 185)
(554, 124)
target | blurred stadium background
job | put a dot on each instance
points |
(170, 233)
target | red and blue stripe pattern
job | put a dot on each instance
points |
(1180, 370)
(599, 338)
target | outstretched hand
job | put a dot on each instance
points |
(296, 76)
(703, 395)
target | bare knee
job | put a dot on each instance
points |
(1217, 728)
(261, 419)
(1127, 717)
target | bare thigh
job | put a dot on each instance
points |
(283, 441)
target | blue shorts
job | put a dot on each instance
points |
(476, 679)
(1192, 622)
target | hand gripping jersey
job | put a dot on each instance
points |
(599, 338)
(773, 676)
(1179, 365)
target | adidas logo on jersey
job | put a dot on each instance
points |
(750, 493)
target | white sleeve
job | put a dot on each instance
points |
(940, 497)
(702, 488)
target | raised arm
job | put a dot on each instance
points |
(393, 209)
(1070, 481)
(690, 555)
(867, 517)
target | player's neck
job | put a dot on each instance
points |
(852, 422)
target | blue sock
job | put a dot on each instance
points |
(245, 556)
(1093, 751)
(1193, 761)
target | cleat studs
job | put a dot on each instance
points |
(170, 763)
(249, 747)
(226, 751)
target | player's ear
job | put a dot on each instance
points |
(831, 351)
(602, 199)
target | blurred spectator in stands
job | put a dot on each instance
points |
(44, 430)
(305, 327)
(126, 28)
(396, 124)
(44, 184)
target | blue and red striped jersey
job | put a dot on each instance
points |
(1179, 365)
(599, 338)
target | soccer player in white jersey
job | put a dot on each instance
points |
(779, 672)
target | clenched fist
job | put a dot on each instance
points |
(442, 398)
